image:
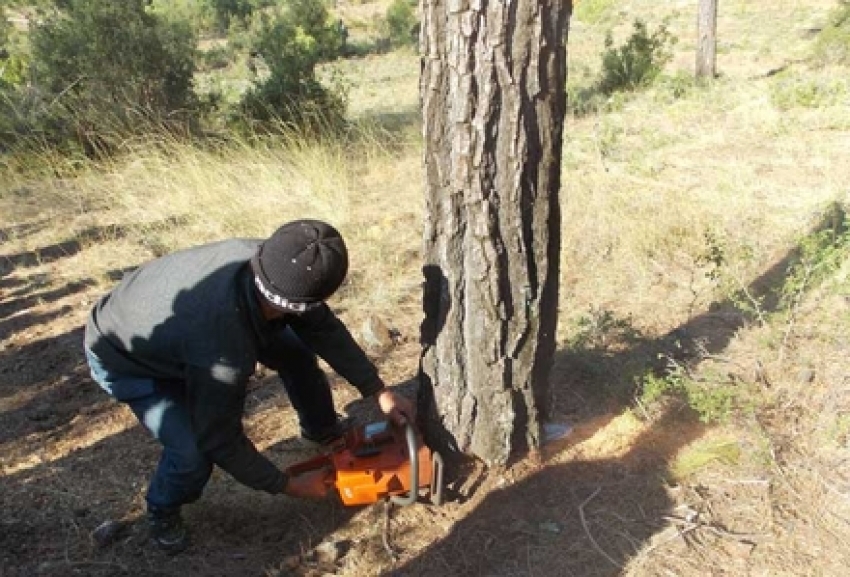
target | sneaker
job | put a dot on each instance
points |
(167, 531)
(329, 436)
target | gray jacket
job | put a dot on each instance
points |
(191, 318)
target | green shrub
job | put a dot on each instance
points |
(712, 400)
(788, 91)
(103, 69)
(197, 14)
(5, 27)
(401, 24)
(637, 62)
(226, 12)
(833, 43)
(600, 329)
(819, 254)
(11, 65)
(292, 43)
(593, 11)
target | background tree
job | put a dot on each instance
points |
(493, 91)
(292, 43)
(106, 68)
(706, 64)
(226, 11)
(400, 23)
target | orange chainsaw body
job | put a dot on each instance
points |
(373, 462)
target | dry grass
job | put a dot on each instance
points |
(748, 163)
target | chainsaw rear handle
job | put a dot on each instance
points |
(413, 452)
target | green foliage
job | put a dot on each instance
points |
(291, 44)
(636, 63)
(12, 76)
(5, 27)
(712, 400)
(601, 346)
(833, 43)
(633, 65)
(197, 14)
(401, 24)
(226, 12)
(104, 68)
(601, 328)
(677, 86)
(12, 70)
(818, 255)
(11, 66)
(702, 453)
(720, 265)
(787, 92)
(593, 11)
(216, 57)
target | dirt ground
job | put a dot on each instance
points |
(597, 503)
(72, 460)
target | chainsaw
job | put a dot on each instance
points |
(379, 461)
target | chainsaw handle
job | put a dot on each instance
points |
(413, 451)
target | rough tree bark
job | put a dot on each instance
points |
(493, 94)
(706, 57)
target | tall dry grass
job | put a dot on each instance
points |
(166, 195)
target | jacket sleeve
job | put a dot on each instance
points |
(329, 338)
(216, 399)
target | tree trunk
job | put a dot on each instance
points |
(706, 65)
(493, 92)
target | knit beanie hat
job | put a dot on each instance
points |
(303, 262)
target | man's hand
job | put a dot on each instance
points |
(398, 408)
(309, 484)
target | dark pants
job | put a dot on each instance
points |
(183, 471)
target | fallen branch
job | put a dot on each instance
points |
(385, 533)
(686, 526)
(587, 530)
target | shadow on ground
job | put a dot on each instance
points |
(591, 517)
(64, 473)
(51, 510)
(585, 517)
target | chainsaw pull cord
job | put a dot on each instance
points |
(413, 451)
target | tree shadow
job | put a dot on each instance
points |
(587, 517)
(42, 388)
(22, 294)
(51, 511)
(62, 249)
(584, 517)
(7, 283)
(591, 517)
(15, 309)
(12, 315)
(21, 230)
